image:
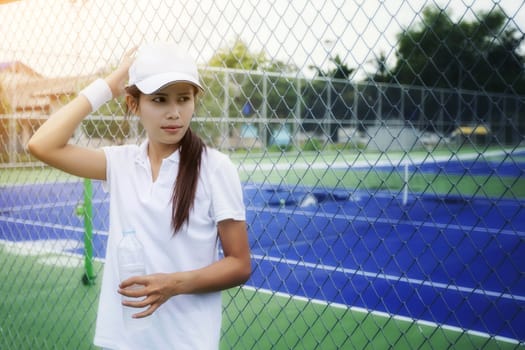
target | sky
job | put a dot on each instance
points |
(73, 37)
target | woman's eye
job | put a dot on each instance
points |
(158, 99)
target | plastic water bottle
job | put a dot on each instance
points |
(131, 263)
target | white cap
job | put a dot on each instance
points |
(160, 64)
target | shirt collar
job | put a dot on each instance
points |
(142, 156)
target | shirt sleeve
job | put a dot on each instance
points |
(119, 159)
(226, 191)
(109, 151)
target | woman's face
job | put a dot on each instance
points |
(166, 114)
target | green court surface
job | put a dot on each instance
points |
(372, 171)
(48, 307)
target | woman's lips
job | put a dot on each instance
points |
(171, 127)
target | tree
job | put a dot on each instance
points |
(238, 57)
(480, 55)
(328, 99)
(341, 70)
(382, 74)
(470, 59)
(245, 85)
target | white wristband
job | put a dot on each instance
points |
(97, 93)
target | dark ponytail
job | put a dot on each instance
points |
(191, 150)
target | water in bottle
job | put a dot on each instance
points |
(131, 263)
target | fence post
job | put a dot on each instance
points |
(87, 212)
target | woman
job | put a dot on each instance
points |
(180, 197)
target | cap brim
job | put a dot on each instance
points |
(159, 81)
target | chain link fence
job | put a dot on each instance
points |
(381, 150)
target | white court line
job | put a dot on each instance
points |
(448, 287)
(381, 220)
(330, 268)
(370, 163)
(418, 224)
(352, 308)
(44, 223)
(47, 225)
(336, 269)
(48, 205)
(347, 271)
(383, 314)
(403, 279)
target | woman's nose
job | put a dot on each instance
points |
(173, 112)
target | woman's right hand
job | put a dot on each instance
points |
(118, 78)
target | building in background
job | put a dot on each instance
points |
(26, 99)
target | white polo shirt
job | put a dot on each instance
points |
(184, 321)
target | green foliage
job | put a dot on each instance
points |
(246, 88)
(341, 70)
(281, 96)
(312, 144)
(280, 147)
(478, 54)
(382, 74)
(238, 57)
(209, 131)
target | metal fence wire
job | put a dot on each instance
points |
(380, 146)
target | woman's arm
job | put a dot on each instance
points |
(50, 143)
(233, 270)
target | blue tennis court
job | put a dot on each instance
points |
(447, 260)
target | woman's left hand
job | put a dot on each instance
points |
(232, 270)
(157, 289)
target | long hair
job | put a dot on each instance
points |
(191, 149)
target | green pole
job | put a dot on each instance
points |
(89, 276)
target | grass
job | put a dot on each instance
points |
(41, 174)
(47, 307)
(280, 171)
(44, 307)
(370, 180)
(257, 320)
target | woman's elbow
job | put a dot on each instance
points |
(245, 272)
(32, 147)
(35, 149)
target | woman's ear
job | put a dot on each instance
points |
(132, 104)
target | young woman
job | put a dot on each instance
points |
(180, 197)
